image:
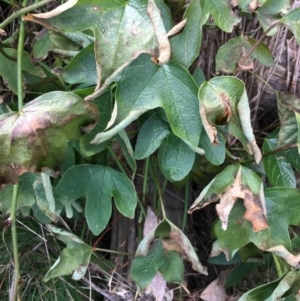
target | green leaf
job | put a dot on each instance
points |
(175, 158)
(224, 101)
(105, 107)
(74, 258)
(144, 268)
(287, 286)
(150, 136)
(81, 69)
(125, 144)
(221, 12)
(172, 267)
(36, 138)
(282, 205)
(8, 68)
(240, 272)
(291, 20)
(84, 180)
(270, 12)
(234, 51)
(41, 46)
(26, 196)
(169, 86)
(261, 292)
(213, 153)
(199, 76)
(163, 230)
(288, 108)
(186, 46)
(278, 170)
(122, 30)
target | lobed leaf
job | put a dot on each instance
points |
(98, 184)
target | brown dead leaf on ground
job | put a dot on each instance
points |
(215, 291)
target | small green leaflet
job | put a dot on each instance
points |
(74, 258)
(98, 184)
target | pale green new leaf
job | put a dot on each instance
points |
(175, 158)
(74, 258)
(233, 52)
(169, 86)
(224, 101)
(150, 136)
(221, 12)
(186, 46)
(278, 170)
(98, 184)
(291, 20)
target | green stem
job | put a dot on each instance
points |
(263, 81)
(273, 152)
(145, 182)
(12, 218)
(24, 11)
(19, 66)
(186, 202)
(114, 252)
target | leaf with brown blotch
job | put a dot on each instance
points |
(35, 139)
(232, 183)
(224, 103)
(160, 32)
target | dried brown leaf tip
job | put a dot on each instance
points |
(160, 32)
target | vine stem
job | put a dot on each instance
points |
(24, 11)
(15, 294)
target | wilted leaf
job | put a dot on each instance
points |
(74, 258)
(234, 51)
(186, 46)
(169, 86)
(122, 30)
(8, 68)
(175, 158)
(280, 202)
(224, 101)
(98, 184)
(150, 136)
(150, 222)
(157, 287)
(221, 13)
(36, 138)
(270, 12)
(278, 169)
(232, 183)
